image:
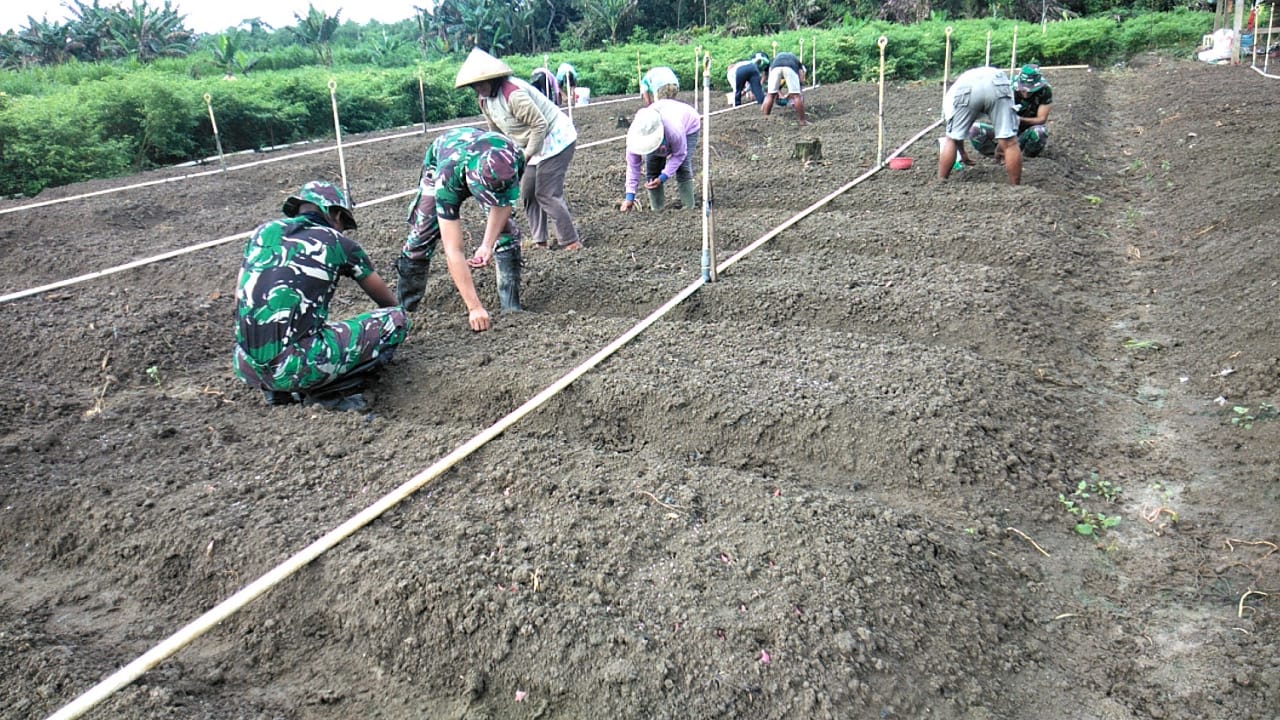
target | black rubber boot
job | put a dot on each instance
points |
(411, 282)
(657, 199)
(507, 260)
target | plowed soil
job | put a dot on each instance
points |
(837, 482)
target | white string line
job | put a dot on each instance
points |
(212, 243)
(297, 561)
(206, 173)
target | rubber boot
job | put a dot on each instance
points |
(411, 281)
(685, 188)
(657, 199)
(507, 260)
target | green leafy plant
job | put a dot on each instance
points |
(153, 372)
(1133, 344)
(1244, 417)
(1089, 522)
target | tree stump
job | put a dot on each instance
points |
(808, 150)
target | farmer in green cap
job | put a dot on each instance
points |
(285, 343)
(1033, 98)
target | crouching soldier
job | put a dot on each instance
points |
(285, 343)
(1033, 99)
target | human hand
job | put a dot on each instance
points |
(481, 258)
(627, 205)
(478, 319)
(653, 184)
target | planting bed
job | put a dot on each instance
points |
(826, 485)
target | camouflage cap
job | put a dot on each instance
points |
(494, 180)
(324, 195)
(761, 61)
(1029, 79)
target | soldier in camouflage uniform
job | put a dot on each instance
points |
(285, 343)
(464, 163)
(1033, 98)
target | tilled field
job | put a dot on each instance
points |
(826, 485)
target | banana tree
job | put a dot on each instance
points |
(316, 32)
(146, 33)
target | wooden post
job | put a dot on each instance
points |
(988, 60)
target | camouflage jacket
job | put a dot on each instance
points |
(288, 277)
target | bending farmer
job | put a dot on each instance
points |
(663, 137)
(982, 91)
(463, 163)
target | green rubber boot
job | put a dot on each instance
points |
(685, 188)
(657, 199)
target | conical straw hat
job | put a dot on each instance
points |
(480, 65)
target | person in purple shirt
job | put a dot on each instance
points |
(663, 138)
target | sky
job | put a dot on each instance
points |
(213, 16)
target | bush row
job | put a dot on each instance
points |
(121, 120)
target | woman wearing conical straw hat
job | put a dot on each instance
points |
(516, 109)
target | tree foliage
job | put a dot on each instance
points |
(316, 31)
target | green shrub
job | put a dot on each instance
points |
(77, 121)
(53, 141)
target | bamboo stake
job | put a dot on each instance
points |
(813, 66)
(639, 77)
(946, 70)
(988, 60)
(1013, 52)
(697, 65)
(422, 98)
(1253, 51)
(1266, 56)
(708, 220)
(337, 133)
(882, 41)
(208, 102)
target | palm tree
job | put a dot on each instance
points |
(609, 12)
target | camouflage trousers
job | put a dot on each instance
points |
(328, 354)
(424, 231)
(982, 136)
